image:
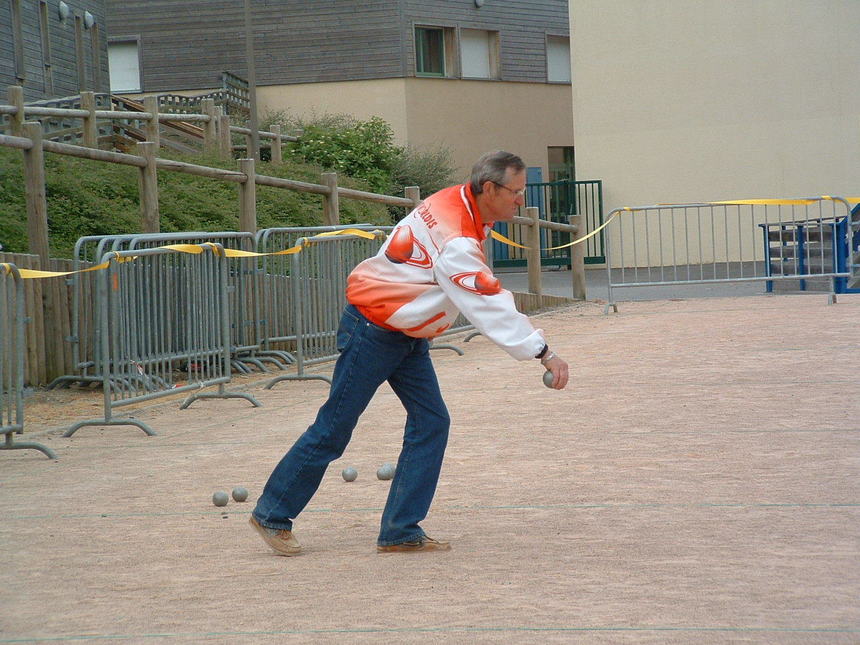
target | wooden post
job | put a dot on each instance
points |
(37, 236)
(153, 131)
(224, 136)
(149, 215)
(16, 99)
(331, 202)
(248, 197)
(34, 190)
(210, 127)
(533, 252)
(577, 257)
(277, 156)
(91, 133)
(413, 193)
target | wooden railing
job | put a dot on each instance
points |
(29, 137)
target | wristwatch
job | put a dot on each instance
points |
(542, 352)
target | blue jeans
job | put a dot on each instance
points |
(369, 355)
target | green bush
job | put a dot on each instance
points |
(365, 149)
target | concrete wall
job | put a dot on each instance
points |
(473, 117)
(716, 99)
(468, 117)
(363, 99)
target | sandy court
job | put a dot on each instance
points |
(699, 482)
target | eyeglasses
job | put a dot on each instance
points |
(517, 193)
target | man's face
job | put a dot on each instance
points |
(503, 200)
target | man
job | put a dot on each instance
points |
(431, 267)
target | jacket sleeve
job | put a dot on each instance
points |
(469, 283)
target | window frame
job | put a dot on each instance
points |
(547, 38)
(493, 38)
(419, 53)
(131, 39)
(448, 50)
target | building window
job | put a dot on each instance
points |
(558, 59)
(430, 51)
(124, 65)
(435, 51)
(479, 53)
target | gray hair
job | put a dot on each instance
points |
(493, 166)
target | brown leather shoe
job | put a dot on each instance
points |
(280, 540)
(425, 543)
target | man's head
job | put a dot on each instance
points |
(498, 182)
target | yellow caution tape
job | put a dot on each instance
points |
(504, 240)
(768, 202)
(196, 249)
(582, 239)
(35, 273)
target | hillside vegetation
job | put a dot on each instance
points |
(87, 197)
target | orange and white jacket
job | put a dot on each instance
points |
(433, 266)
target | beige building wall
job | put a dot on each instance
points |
(716, 99)
(473, 117)
(363, 99)
(468, 117)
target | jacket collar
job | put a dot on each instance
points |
(472, 206)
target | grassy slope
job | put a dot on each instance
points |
(95, 198)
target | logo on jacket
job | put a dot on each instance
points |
(405, 249)
(479, 282)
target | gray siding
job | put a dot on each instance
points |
(62, 38)
(522, 27)
(186, 44)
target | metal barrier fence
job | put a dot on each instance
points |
(12, 320)
(316, 296)
(276, 331)
(90, 249)
(162, 328)
(736, 241)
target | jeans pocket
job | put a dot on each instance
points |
(345, 330)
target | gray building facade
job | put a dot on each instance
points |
(53, 48)
(186, 44)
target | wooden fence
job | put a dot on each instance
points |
(48, 300)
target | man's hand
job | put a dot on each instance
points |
(559, 370)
